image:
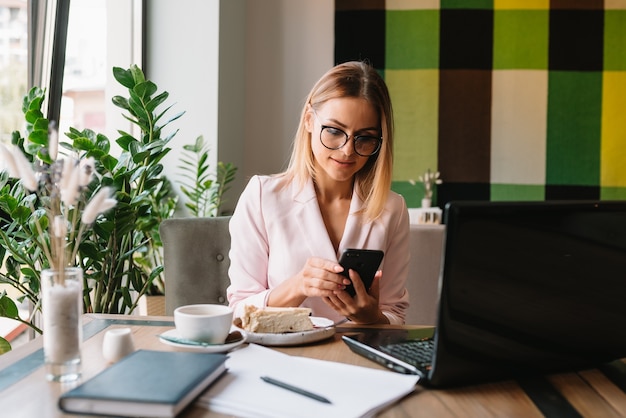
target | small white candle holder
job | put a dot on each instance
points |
(117, 344)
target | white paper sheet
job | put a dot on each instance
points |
(354, 391)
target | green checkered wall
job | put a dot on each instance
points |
(508, 99)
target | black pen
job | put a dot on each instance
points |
(294, 389)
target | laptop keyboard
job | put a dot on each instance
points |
(418, 353)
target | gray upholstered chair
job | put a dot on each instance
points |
(196, 262)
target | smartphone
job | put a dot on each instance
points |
(364, 262)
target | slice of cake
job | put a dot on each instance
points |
(276, 320)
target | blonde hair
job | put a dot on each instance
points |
(358, 80)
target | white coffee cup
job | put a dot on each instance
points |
(209, 323)
(117, 344)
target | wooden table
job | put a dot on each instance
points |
(24, 391)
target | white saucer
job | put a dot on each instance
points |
(324, 328)
(217, 348)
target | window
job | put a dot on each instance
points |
(84, 79)
(93, 36)
(13, 65)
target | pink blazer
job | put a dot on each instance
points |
(276, 228)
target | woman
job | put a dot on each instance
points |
(289, 230)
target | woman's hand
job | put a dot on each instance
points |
(319, 277)
(363, 307)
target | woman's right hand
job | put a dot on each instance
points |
(318, 277)
(321, 277)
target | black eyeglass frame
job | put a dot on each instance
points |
(356, 139)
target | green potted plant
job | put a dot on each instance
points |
(428, 181)
(120, 256)
(204, 190)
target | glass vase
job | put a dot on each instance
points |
(62, 307)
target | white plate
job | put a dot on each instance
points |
(217, 348)
(324, 328)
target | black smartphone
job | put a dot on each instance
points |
(364, 262)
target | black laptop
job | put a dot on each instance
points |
(525, 288)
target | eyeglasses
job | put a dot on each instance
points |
(335, 138)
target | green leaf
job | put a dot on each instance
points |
(121, 102)
(97, 154)
(28, 272)
(12, 266)
(137, 73)
(124, 77)
(8, 308)
(126, 296)
(109, 162)
(91, 250)
(20, 214)
(73, 133)
(83, 144)
(153, 183)
(145, 89)
(33, 100)
(138, 157)
(177, 116)
(103, 143)
(16, 139)
(103, 229)
(138, 173)
(33, 115)
(41, 124)
(8, 203)
(156, 101)
(137, 108)
(5, 346)
(155, 170)
(124, 141)
(38, 137)
(43, 155)
(155, 273)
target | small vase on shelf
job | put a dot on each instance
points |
(426, 202)
(62, 306)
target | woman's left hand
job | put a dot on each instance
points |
(363, 307)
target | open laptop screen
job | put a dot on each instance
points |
(532, 286)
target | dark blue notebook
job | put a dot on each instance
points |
(146, 383)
